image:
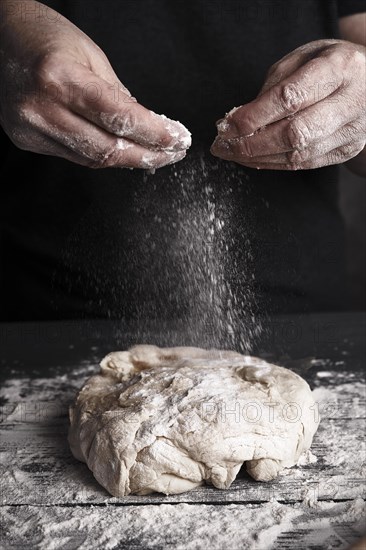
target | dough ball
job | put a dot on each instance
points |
(167, 420)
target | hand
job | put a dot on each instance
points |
(309, 113)
(61, 97)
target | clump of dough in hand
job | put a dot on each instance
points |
(181, 135)
(166, 420)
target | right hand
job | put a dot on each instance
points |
(61, 97)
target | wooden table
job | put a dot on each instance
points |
(50, 500)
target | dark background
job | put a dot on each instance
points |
(352, 199)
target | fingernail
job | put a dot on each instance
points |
(222, 125)
(221, 148)
(226, 127)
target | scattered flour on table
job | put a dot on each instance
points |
(187, 527)
(59, 389)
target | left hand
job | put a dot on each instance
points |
(310, 112)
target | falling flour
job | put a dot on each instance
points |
(217, 273)
(173, 253)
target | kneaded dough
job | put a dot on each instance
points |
(167, 420)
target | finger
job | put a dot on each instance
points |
(293, 61)
(298, 132)
(105, 151)
(336, 156)
(45, 145)
(111, 109)
(342, 137)
(54, 149)
(349, 133)
(98, 148)
(282, 69)
(148, 161)
(308, 85)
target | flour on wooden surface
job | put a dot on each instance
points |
(38, 472)
(188, 527)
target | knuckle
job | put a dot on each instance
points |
(292, 97)
(347, 56)
(295, 158)
(126, 123)
(338, 59)
(315, 65)
(47, 69)
(106, 159)
(354, 57)
(299, 135)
